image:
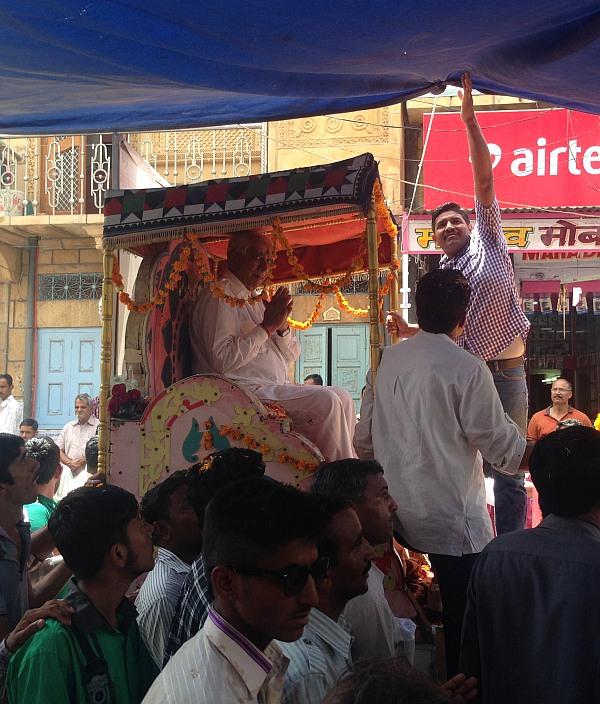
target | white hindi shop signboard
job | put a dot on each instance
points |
(541, 235)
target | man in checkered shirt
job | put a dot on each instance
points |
(496, 327)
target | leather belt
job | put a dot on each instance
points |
(497, 365)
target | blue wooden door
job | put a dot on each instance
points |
(68, 364)
(349, 354)
(313, 359)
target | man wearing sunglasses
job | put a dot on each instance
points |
(260, 553)
(205, 480)
(322, 654)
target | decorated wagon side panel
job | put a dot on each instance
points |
(200, 415)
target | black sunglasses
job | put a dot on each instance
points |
(292, 578)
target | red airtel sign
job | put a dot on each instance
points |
(541, 158)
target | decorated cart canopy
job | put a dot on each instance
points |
(319, 212)
(78, 67)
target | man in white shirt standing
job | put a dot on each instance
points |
(176, 531)
(435, 407)
(11, 411)
(260, 552)
(234, 332)
(72, 440)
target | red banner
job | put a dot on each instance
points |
(541, 158)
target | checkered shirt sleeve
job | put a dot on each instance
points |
(191, 610)
(495, 317)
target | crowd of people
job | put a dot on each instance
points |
(223, 585)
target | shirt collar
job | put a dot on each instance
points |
(253, 666)
(87, 617)
(237, 287)
(569, 410)
(445, 259)
(334, 633)
(573, 525)
(174, 562)
(92, 420)
(7, 400)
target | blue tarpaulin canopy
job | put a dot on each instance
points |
(80, 66)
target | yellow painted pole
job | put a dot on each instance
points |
(394, 293)
(373, 287)
(105, 363)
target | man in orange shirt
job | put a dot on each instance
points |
(559, 415)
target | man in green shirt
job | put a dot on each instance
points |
(101, 656)
(45, 451)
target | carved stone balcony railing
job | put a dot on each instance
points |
(69, 175)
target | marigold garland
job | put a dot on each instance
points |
(253, 444)
(597, 422)
(309, 322)
(343, 301)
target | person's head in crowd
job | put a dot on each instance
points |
(249, 257)
(314, 380)
(18, 475)
(83, 408)
(216, 471)
(28, 428)
(442, 299)
(451, 227)
(91, 454)
(47, 454)
(6, 386)
(260, 553)
(561, 391)
(348, 553)
(101, 536)
(361, 483)
(565, 469)
(390, 681)
(167, 509)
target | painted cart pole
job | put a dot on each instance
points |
(373, 286)
(105, 362)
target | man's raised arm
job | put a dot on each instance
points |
(481, 161)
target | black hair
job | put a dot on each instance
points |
(316, 378)
(91, 454)
(219, 469)
(442, 299)
(248, 520)
(10, 448)
(389, 681)
(8, 378)
(345, 479)
(565, 469)
(156, 502)
(46, 452)
(88, 522)
(444, 207)
(330, 506)
(30, 422)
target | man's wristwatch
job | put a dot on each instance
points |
(285, 332)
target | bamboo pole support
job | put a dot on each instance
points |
(105, 363)
(373, 287)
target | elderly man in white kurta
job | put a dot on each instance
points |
(253, 346)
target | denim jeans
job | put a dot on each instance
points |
(510, 496)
